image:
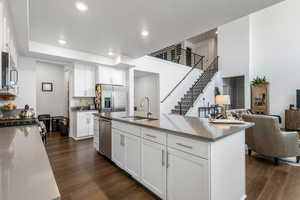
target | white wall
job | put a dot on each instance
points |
(169, 74)
(147, 86)
(234, 52)
(55, 102)
(27, 83)
(265, 43)
(207, 48)
(275, 51)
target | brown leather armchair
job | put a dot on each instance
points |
(266, 138)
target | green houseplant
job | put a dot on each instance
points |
(258, 80)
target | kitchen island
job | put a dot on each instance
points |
(178, 157)
(25, 171)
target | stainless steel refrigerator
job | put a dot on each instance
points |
(112, 98)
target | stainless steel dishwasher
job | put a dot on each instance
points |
(105, 137)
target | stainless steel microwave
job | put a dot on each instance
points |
(9, 72)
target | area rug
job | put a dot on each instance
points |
(290, 161)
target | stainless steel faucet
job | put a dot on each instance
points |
(149, 113)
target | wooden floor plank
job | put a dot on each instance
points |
(81, 173)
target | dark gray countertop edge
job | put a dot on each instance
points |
(243, 127)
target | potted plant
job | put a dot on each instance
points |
(258, 81)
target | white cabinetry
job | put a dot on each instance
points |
(187, 176)
(96, 133)
(176, 168)
(84, 80)
(126, 152)
(84, 124)
(133, 155)
(110, 75)
(153, 167)
(118, 150)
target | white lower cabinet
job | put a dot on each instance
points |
(187, 176)
(126, 152)
(154, 167)
(118, 150)
(170, 173)
(132, 162)
(84, 124)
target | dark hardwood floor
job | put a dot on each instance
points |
(81, 173)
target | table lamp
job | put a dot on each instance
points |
(223, 100)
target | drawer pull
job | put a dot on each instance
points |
(152, 136)
(183, 145)
(163, 157)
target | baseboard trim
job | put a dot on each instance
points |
(82, 138)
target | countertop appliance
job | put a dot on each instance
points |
(105, 137)
(111, 98)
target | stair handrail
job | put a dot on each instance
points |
(212, 68)
(185, 76)
(176, 53)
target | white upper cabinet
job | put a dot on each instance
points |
(7, 38)
(110, 75)
(84, 80)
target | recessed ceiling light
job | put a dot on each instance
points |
(217, 32)
(144, 33)
(81, 6)
(62, 42)
(110, 53)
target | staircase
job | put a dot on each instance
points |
(187, 101)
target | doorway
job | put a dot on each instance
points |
(146, 84)
(235, 88)
(188, 56)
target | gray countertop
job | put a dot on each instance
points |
(194, 127)
(25, 171)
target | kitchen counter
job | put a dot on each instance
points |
(25, 171)
(194, 127)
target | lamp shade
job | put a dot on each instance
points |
(223, 99)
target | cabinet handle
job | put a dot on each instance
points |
(163, 157)
(152, 136)
(121, 140)
(168, 164)
(183, 145)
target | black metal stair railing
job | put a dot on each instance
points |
(180, 56)
(197, 88)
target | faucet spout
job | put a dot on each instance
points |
(149, 113)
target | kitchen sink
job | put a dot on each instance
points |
(138, 118)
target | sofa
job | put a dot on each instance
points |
(266, 138)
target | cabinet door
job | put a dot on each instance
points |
(82, 125)
(153, 167)
(118, 143)
(104, 75)
(90, 123)
(96, 126)
(118, 77)
(90, 81)
(133, 155)
(187, 176)
(96, 132)
(79, 81)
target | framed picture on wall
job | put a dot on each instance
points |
(47, 87)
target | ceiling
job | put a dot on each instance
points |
(116, 25)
